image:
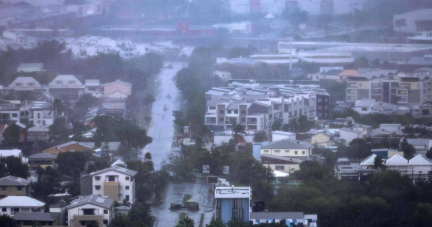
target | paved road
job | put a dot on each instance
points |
(175, 192)
(162, 126)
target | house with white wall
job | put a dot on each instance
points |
(349, 134)
(364, 106)
(88, 209)
(11, 205)
(117, 89)
(116, 183)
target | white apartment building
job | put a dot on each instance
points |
(91, 208)
(115, 182)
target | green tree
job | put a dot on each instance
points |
(185, 222)
(140, 216)
(429, 154)
(407, 149)
(361, 62)
(48, 183)
(215, 223)
(120, 220)
(15, 167)
(260, 136)
(295, 16)
(72, 163)
(358, 148)
(7, 221)
(58, 130)
(378, 162)
(422, 215)
(276, 125)
(83, 104)
(11, 134)
(92, 224)
(239, 52)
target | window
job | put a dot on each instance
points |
(97, 187)
(59, 82)
(280, 167)
(31, 84)
(320, 100)
(243, 119)
(105, 211)
(105, 222)
(127, 178)
(295, 152)
(88, 211)
(14, 115)
(303, 152)
(97, 178)
(111, 178)
(127, 187)
(229, 111)
(364, 109)
(44, 123)
(221, 112)
(127, 197)
(235, 111)
(18, 84)
(19, 188)
(266, 151)
(243, 112)
(38, 115)
(4, 209)
(277, 152)
(287, 151)
(3, 188)
(212, 107)
(71, 82)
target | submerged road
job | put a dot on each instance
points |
(162, 124)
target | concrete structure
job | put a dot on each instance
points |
(386, 153)
(38, 133)
(349, 134)
(117, 89)
(30, 67)
(91, 208)
(10, 153)
(14, 186)
(396, 128)
(66, 87)
(14, 204)
(291, 218)
(43, 160)
(347, 168)
(233, 203)
(116, 183)
(414, 21)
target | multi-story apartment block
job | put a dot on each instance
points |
(90, 209)
(400, 89)
(115, 182)
(257, 107)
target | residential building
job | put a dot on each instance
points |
(365, 129)
(41, 114)
(349, 134)
(66, 87)
(233, 203)
(256, 106)
(290, 218)
(10, 153)
(323, 139)
(11, 205)
(364, 106)
(70, 146)
(288, 148)
(421, 145)
(280, 163)
(381, 133)
(88, 209)
(414, 21)
(117, 89)
(14, 186)
(224, 75)
(43, 160)
(280, 135)
(116, 183)
(25, 87)
(14, 111)
(38, 133)
(386, 153)
(93, 86)
(30, 67)
(396, 128)
(44, 219)
(347, 168)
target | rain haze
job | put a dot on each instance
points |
(216, 113)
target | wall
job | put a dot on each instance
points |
(77, 213)
(112, 88)
(286, 152)
(13, 191)
(122, 182)
(348, 136)
(220, 139)
(321, 140)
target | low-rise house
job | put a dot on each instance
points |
(14, 204)
(349, 134)
(30, 67)
(365, 129)
(280, 135)
(93, 86)
(224, 75)
(288, 148)
(396, 128)
(37, 133)
(66, 87)
(90, 209)
(43, 160)
(279, 163)
(324, 139)
(233, 204)
(124, 210)
(117, 89)
(25, 87)
(70, 146)
(14, 186)
(364, 106)
(44, 219)
(290, 218)
(420, 167)
(381, 133)
(397, 162)
(386, 153)
(347, 168)
(116, 183)
(421, 145)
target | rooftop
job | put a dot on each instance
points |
(13, 181)
(42, 156)
(20, 201)
(276, 215)
(287, 144)
(116, 169)
(30, 216)
(233, 192)
(96, 200)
